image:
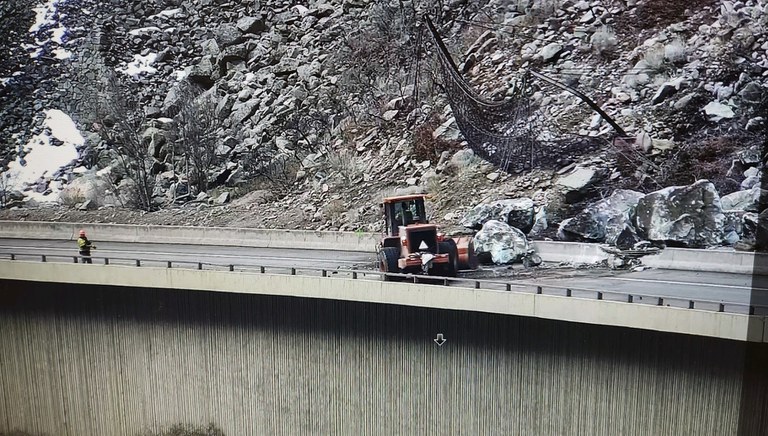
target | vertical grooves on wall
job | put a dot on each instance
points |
(77, 360)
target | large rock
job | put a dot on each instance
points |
(550, 52)
(89, 188)
(448, 131)
(578, 182)
(733, 226)
(463, 158)
(718, 111)
(517, 212)
(747, 200)
(243, 111)
(690, 215)
(251, 24)
(155, 139)
(500, 243)
(227, 34)
(604, 220)
(204, 73)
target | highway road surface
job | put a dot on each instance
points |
(677, 288)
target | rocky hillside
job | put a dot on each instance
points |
(304, 114)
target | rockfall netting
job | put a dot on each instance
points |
(511, 133)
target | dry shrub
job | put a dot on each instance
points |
(347, 164)
(188, 430)
(700, 158)
(707, 158)
(426, 146)
(674, 52)
(659, 13)
(604, 41)
(334, 211)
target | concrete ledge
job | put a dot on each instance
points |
(660, 318)
(716, 260)
(579, 252)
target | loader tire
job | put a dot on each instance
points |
(388, 257)
(449, 247)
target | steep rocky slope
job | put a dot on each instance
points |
(319, 109)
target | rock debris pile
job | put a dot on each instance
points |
(320, 109)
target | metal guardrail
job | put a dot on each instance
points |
(357, 274)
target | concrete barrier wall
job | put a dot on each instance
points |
(244, 237)
(720, 260)
(716, 260)
(577, 252)
(659, 318)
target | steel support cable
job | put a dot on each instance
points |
(583, 98)
(446, 58)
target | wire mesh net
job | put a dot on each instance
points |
(511, 133)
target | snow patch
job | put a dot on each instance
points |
(168, 13)
(140, 64)
(62, 54)
(180, 75)
(57, 34)
(44, 15)
(143, 30)
(42, 159)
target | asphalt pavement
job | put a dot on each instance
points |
(676, 288)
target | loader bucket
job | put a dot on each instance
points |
(467, 256)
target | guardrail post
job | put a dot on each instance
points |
(44, 259)
(721, 308)
(508, 287)
(568, 292)
(231, 267)
(325, 273)
(599, 295)
(630, 298)
(261, 269)
(477, 285)
(199, 265)
(293, 271)
(354, 274)
(170, 264)
(660, 302)
(539, 290)
(691, 304)
(138, 262)
(106, 261)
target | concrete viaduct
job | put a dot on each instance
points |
(124, 350)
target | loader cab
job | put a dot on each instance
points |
(403, 211)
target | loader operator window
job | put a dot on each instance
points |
(407, 212)
(403, 215)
